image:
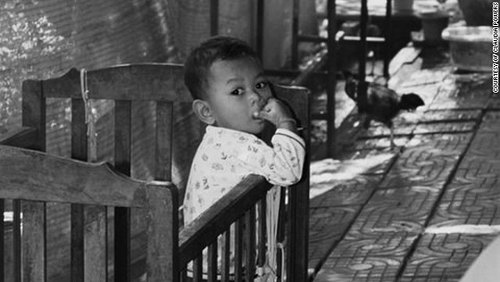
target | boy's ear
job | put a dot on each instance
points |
(203, 111)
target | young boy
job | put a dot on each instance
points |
(232, 96)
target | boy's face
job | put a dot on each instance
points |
(236, 90)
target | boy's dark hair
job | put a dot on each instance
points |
(200, 60)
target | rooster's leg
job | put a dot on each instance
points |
(393, 145)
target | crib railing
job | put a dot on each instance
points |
(238, 209)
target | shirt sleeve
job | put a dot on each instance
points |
(282, 164)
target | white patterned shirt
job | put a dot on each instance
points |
(226, 156)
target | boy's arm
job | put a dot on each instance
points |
(289, 124)
(281, 164)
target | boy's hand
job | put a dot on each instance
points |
(278, 114)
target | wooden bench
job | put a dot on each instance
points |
(124, 204)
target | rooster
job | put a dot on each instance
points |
(382, 103)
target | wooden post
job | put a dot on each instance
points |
(123, 153)
(164, 141)
(298, 210)
(361, 98)
(331, 81)
(79, 152)
(163, 235)
(33, 239)
(89, 223)
(387, 37)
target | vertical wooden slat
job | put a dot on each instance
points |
(2, 235)
(226, 252)
(163, 235)
(298, 228)
(198, 268)
(34, 235)
(79, 152)
(238, 249)
(88, 224)
(123, 152)
(33, 106)
(212, 262)
(77, 243)
(282, 229)
(262, 233)
(95, 244)
(16, 233)
(250, 244)
(33, 249)
(164, 137)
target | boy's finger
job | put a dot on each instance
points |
(263, 114)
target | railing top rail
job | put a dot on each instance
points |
(159, 82)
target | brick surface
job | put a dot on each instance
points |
(362, 242)
(445, 256)
(400, 209)
(428, 279)
(450, 115)
(473, 196)
(383, 269)
(427, 161)
(326, 227)
(491, 122)
(455, 213)
(494, 102)
(347, 192)
(485, 145)
(462, 95)
(444, 127)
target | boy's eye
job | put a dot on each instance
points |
(262, 84)
(237, 91)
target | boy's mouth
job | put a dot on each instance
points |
(255, 115)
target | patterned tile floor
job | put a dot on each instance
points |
(375, 227)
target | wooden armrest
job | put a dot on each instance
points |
(34, 175)
(203, 230)
(24, 137)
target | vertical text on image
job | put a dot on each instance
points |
(494, 66)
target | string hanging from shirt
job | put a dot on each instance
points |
(268, 273)
(90, 117)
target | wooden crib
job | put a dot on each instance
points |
(118, 193)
